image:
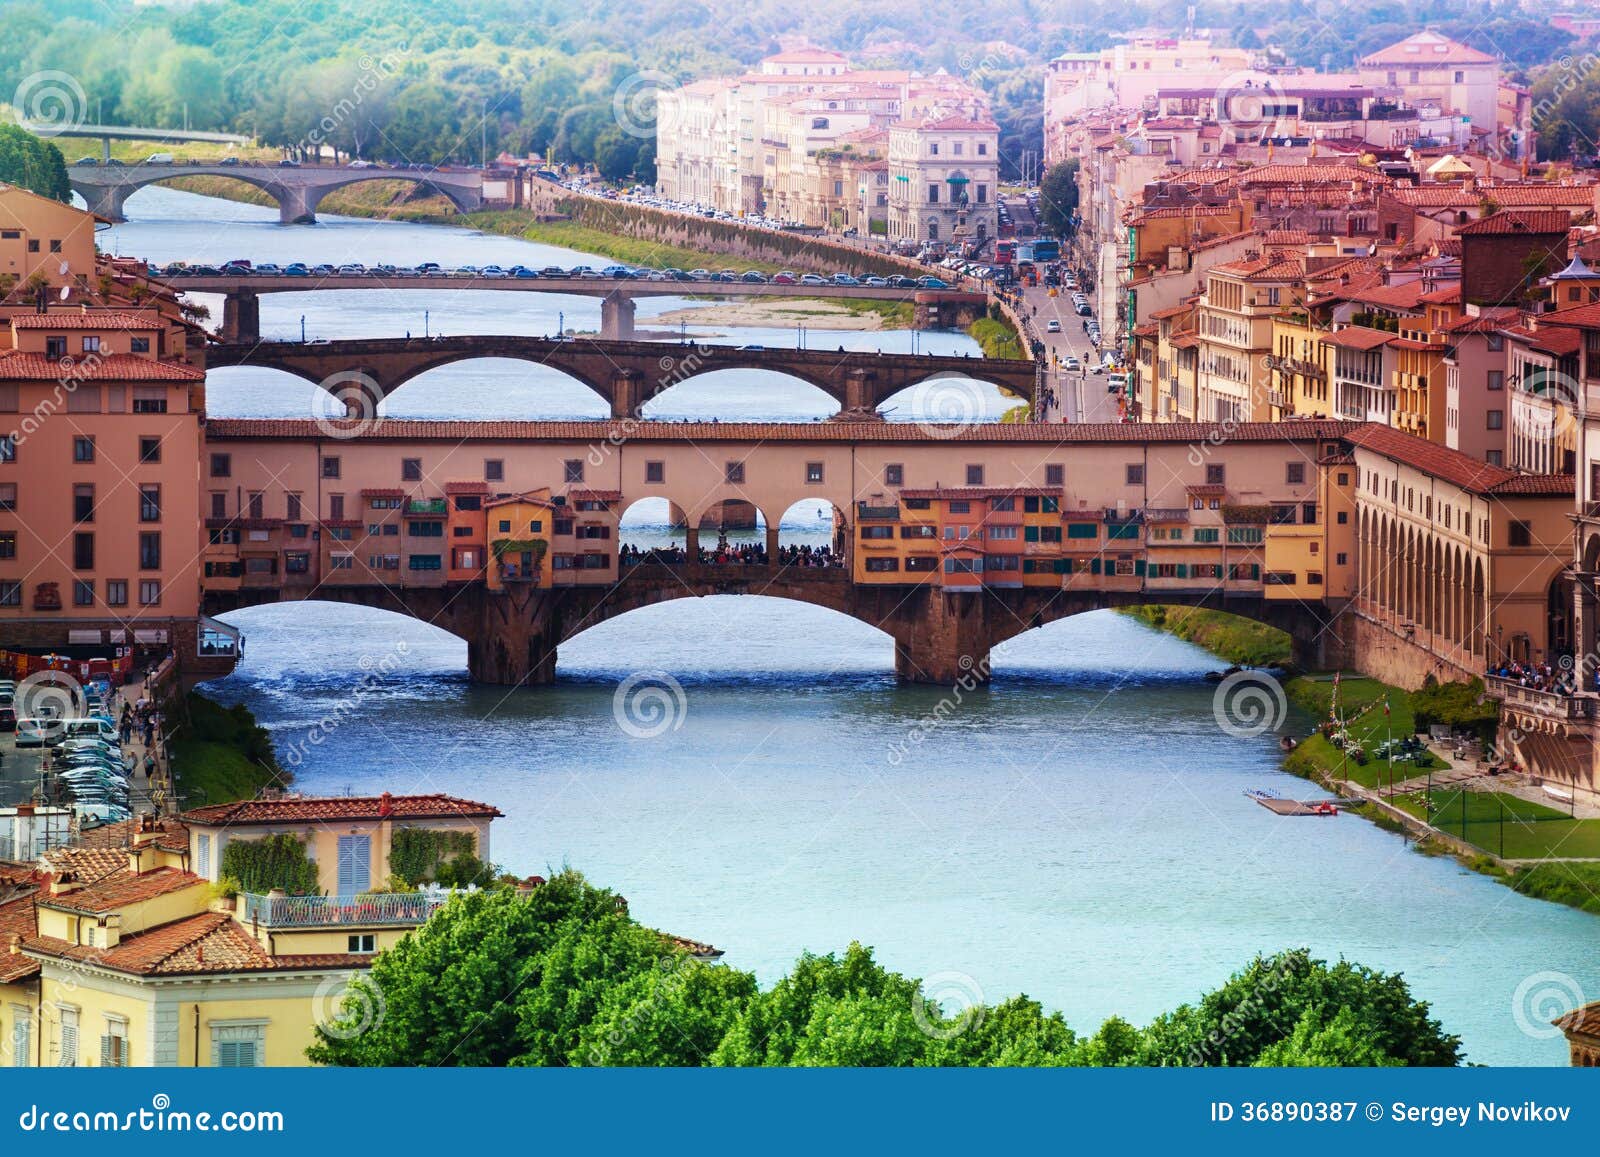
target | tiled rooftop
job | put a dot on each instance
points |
(307, 809)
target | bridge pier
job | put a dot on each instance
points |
(241, 318)
(616, 317)
(513, 641)
(626, 396)
(297, 203)
(946, 640)
(105, 200)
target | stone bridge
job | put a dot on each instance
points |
(940, 637)
(627, 374)
(241, 295)
(298, 190)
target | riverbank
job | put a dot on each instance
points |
(382, 200)
(1427, 814)
(220, 754)
(784, 313)
(1242, 642)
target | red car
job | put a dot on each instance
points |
(785, 278)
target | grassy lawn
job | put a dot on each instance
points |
(1531, 830)
(1238, 640)
(627, 250)
(1575, 885)
(219, 754)
(1315, 693)
(996, 338)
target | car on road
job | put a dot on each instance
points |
(266, 269)
(932, 283)
(554, 271)
(901, 281)
(523, 272)
(1052, 326)
(37, 732)
(8, 718)
(493, 271)
(784, 277)
(876, 282)
(753, 277)
(1071, 363)
(813, 279)
(296, 269)
(322, 270)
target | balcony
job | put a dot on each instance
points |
(425, 506)
(396, 908)
(1546, 704)
(878, 513)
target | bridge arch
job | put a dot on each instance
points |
(950, 396)
(743, 393)
(522, 389)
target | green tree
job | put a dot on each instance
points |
(33, 164)
(676, 1014)
(1058, 198)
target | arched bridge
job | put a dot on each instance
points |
(241, 294)
(297, 190)
(627, 374)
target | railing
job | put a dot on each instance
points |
(332, 911)
(882, 513)
(1552, 704)
(425, 506)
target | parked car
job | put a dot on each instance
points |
(8, 718)
(932, 283)
(813, 279)
(35, 732)
(785, 278)
(753, 277)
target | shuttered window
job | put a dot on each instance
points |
(68, 1056)
(237, 1046)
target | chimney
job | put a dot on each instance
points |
(385, 804)
(14, 944)
(63, 883)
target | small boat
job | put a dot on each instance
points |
(1219, 676)
(1561, 795)
(1287, 743)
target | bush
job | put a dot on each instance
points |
(278, 861)
(1456, 705)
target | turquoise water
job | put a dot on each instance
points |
(1078, 831)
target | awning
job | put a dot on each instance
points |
(957, 180)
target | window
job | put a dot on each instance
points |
(1215, 475)
(1205, 534)
(1341, 559)
(150, 503)
(974, 475)
(55, 346)
(1055, 475)
(494, 470)
(1295, 473)
(734, 473)
(150, 551)
(116, 592)
(222, 466)
(894, 475)
(933, 193)
(67, 1058)
(1082, 530)
(960, 506)
(882, 565)
(1343, 518)
(427, 528)
(468, 502)
(1002, 533)
(1497, 379)
(572, 470)
(83, 592)
(139, 345)
(343, 560)
(219, 504)
(291, 507)
(424, 562)
(21, 1036)
(114, 1044)
(8, 544)
(10, 593)
(330, 466)
(411, 469)
(363, 942)
(813, 471)
(91, 344)
(149, 400)
(237, 1046)
(82, 449)
(8, 495)
(1519, 533)
(876, 532)
(83, 502)
(83, 552)
(1494, 457)
(150, 451)
(1308, 513)
(1494, 419)
(655, 471)
(1135, 474)
(8, 447)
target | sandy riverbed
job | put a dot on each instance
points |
(773, 315)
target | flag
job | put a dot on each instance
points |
(1386, 706)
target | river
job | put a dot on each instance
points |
(1078, 831)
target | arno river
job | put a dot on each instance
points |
(1078, 832)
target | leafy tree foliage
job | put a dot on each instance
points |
(1058, 198)
(563, 976)
(31, 163)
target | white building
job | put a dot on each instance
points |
(943, 174)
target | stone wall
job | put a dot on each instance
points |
(1376, 650)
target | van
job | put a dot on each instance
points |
(158, 159)
(91, 729)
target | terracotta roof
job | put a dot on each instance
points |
(1585, 1020)
(16, 366)
(1359, 337)
(1170, 311)
(1427, 47)
(170, 835)
(1517, 221)
(1582, 316)
(1263, 269)
(466, 488)
(307, 809)
(1403, 296)
(1449, 295)
(1314, 173)
(596, 495)
(508, 499)
(1562, 341)
(1454, 467)
(85, 319)
(211, 942)
(17, 919)
(121, 889)
(89, 863)
(221, 429)
(967, 492)
(382, 492)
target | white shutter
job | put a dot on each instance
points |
(203, 857)
(69, 1039)
(21, 1037)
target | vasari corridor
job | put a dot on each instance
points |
(545, 537)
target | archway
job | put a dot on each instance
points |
(948, 398)
(738, 395)
(495, 389)
(654, 530)
(1559, 617)
(812, 532)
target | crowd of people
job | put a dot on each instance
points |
(1536, 676)
(732, 554)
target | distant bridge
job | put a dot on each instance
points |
(105, 134)
(297, 189)
(627, 374)
(241, 307)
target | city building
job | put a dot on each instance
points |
(943, 177)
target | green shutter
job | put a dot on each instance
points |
(1183, 570)
(1138, 566)
(1094, 566)
(1255, 572)
(1030, 534)
(1063, 566)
